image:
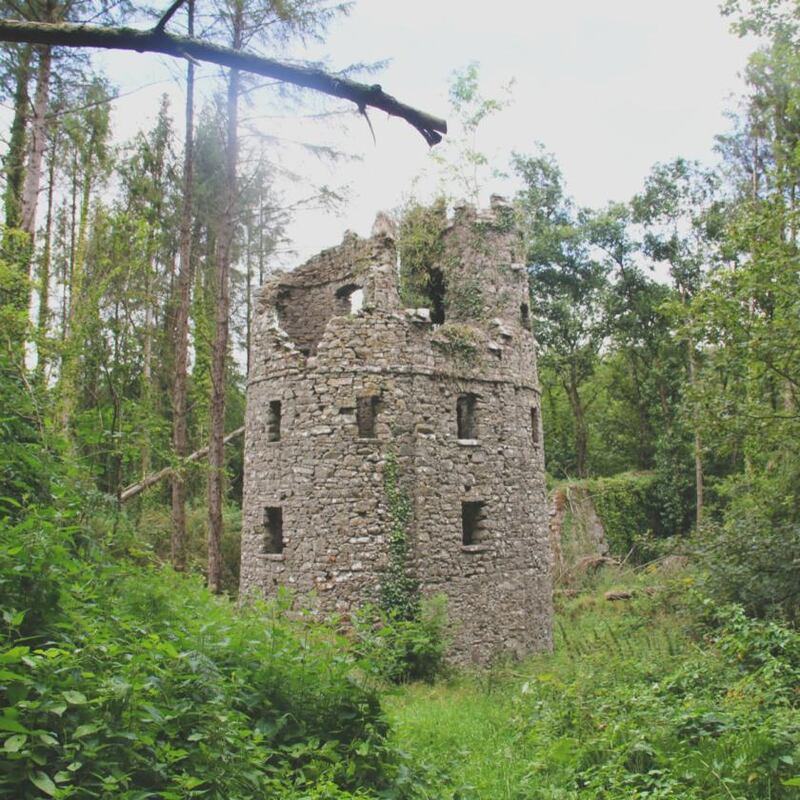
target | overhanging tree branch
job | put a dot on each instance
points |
(158, 40)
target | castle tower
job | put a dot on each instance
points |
(346, 383)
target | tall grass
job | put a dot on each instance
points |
(660, 696)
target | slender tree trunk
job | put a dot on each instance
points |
(33, 174)
(698, 444)
(691, 361)
(147, 358)
(15, 156)
(44, 270)
(76, 315)
(248, 293)
(180, 438)
(581, 434)
(216, 450)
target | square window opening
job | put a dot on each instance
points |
(273, 530)
(274, 421)
(465, 416)
(473, 518)
(349, 299)
(367, 416)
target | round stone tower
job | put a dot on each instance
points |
(345, 381)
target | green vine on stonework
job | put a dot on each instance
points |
(457, 341)
(466, 298)
(399, 590)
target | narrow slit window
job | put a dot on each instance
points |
(525, 315)
(436, 291)
(465, 416)
(367, 416)
(473, 522)
(274, 421)
(273, 530)
(535, 425)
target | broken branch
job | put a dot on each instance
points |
(154, 477)
(167, 15)
(157, 40)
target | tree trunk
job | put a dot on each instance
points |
(180, 438)
(44, 270)
(216, 451)
(33, 175)
(581, 434)
(76, 313)
(15, 156)
(698, 445)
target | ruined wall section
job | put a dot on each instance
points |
(326, 476)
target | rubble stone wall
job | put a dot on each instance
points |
(479, 527)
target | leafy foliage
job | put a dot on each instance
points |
(399, 589)
(627, 506)
(403, 650)
(664, 696)
(420, 249)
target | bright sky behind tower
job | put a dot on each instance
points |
(608, 86)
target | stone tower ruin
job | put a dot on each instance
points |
(344, 380)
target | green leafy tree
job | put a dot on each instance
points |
(567, 289)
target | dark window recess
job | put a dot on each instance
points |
(366, 416)
(465, 415)
(273, 530)
(274, 421)
(436, 292)
(525, 315)
(347, 298)
(535, 425)
(473, 523)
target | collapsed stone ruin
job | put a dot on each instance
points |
(344, 381)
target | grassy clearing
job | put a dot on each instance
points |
(644, 698)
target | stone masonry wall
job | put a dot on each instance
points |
(327, 367)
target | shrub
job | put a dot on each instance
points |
(401, 650)
(754, 562)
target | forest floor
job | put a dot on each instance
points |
(637, 700)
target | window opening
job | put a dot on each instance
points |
(349, 299)
(465, 416)
(436, 292)
(473, 522)
(273, 530)
(366, 416)
(535, 424)
(525, 315)
(274, 421)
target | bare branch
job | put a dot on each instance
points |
(158, 41)
(154, 477)
(168, 14)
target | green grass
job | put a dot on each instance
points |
(464, 732)
(654, 697)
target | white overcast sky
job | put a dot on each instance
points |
(609, 86)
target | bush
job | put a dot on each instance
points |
(401, 650)
(756, 563)
(140, 684)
